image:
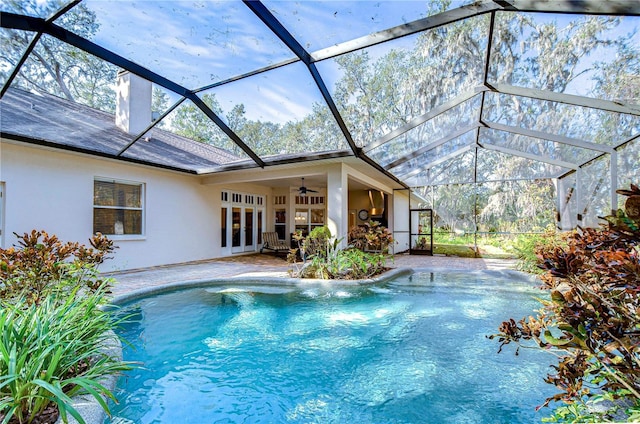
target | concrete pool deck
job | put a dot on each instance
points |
(267, 265)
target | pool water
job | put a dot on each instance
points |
(413, 350)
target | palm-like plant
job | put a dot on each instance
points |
(53, 351)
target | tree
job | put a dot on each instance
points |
(159, 104)
(189, 121)
(54, 66)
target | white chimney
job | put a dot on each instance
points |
(133, 102)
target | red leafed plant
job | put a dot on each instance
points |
(591, 320)
(41, 262)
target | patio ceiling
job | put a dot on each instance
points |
(277, 82)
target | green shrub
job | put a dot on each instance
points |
(323, 258)
(530, 247)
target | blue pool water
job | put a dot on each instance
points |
(413, 350)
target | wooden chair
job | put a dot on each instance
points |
(270, 241)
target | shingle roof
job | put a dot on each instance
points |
(51, 120)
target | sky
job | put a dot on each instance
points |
(196, 43)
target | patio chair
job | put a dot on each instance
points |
(270, 241)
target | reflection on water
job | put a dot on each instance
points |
(411, 350)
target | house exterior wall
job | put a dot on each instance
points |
(400, 220)
(337, 212)
(358, 200)
(53, 191)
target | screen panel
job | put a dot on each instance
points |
(595, 197)
(320, 24)
(381, 88)
(606, 128)
(194, 43)
(280, 112)
(574, 54)
(452, 121)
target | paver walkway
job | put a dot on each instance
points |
(262, 265)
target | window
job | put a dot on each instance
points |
(308, 219)
(311, 215)
(117, 207)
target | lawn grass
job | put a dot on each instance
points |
(463, 251)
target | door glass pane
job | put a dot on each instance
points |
(280, 225)
(248, 222)
(223, 227)
(260, 227)
(235, 234)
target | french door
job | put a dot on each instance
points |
(244, 229)
(241, 222)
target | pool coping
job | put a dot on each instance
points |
(93, 413)
(253, 279)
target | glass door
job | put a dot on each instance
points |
(260, 227)
(421, 227)
(245, 222)
(244, 229)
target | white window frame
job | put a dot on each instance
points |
(142, 208)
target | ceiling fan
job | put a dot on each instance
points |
(303, 190)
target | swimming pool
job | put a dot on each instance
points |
(410, 350)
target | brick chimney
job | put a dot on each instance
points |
(133, 102)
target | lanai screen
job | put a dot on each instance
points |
(505, 116)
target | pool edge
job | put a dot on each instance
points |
(286, 281)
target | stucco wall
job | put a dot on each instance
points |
(53, 191)
(400, 219)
